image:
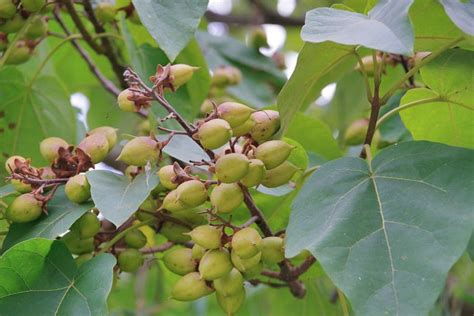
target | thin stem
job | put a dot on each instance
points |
(255, 211)
(302, 268)
(18, 36)
(251, 220)
(106, 246)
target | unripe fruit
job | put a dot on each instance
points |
(105, 12)
(192, 193)
(255, 175)
(20, 186)
(131, 172)
(234, 113)
(355, 133)
(109, 132)
(144, 128)
(273, 153)
(140, 150)
(78, 189)
(246, 243)
(190, 287)
(214, 133)
(180, 261)
(273, 250)
(226, 75)
(20, 54)
(130, 260)
(10, 163)
(167, 175)
(135, 239)
(49, 147)
(215, 264)
(244, 128)
(24, 208)
(230, 284)
(231, 304)
(76, 245)
(232, 167)
(38, 28)
(180, 74)
(198, 252)
(191, 216)
(87, 226)
(95, 146)
(80, 260)
(206, 106)
(12, 25)
(267, 123)
(175, 232)
(206, 236)
(279, 175)
(172, 203)
(244, 265)
(148, 206)
(33, 5)
(7, 9)
(226, 197)
(124, 101)
(253, 271)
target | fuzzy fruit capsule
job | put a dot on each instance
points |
(245, 128)
(273, 153)
(246, 243)
(24, 209)
(206, 236)
(87, 226)
(181, 73)
(198, 252)
(244, 265)
(180, 261)
(232, 167)
(20, 186)
(234, 113)
(109, 132)
(231, 304)
(130, 260)
(7, 9)
(267, 123)
(135, 239)
(124, 101)
(76, 245)
(78, 189)
(95, 146)
(190, 287)
(214, 133)
(230, 284)
(255, 175)
(49, 147)
(20, 53)
(279, 175)
(175, 232)
(192, 193)
(273, 250)
(226, 197)
(215, 264)
(167, 174)
(172, 203)
(139, 151)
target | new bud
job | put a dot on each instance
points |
(109, 132)
(140, 150)
(226, 197)
(105, 12)
(190, 287)
(232, 167)
(267, 123)
(214, 133)
(206, 236)
(215, 264)
(234, 113)
(246, 243)
(125, 102)
(255, 175)
(135, 239)
(192, 193)
(180, 261)
(279, 175)
(24, 209)
(230, 284)
(273, 153)
(130, 260)
(95, 146)
(273, 250)
(231, 304)
(181, 73)
(87, 226)
(78, 189)
(167, 175)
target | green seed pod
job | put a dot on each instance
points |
(24, 208)
(244, 128)
(140, 150)
(192, 193)
(49, 147)
(33, 5)
(226, 197)
(172, 203)
(232, 167)
(234, 113)
(190, 287)
(167, 174)
(148, 206)
(231, 304)
(180, 74)
(80, 260)
(273, 250)
(230, 284)
(124, 101)
(273, 153)
(191, 216)
(12, 25)
(105, 12)
(78, 189)
(130, 260)
(180, 261)
(10, 163)
(226, 75)
(214, 133)
(253, 272)
(244, 265)
(206, 236)
(20, 186)
(246, 243)
(198, 252)
(355, 133)
(135, 239)
(267, 123)
(255, 175)
(20, 54)
(38, 28)
(109, 132)
(7, 9)
(87, 226)
(279, 175)
(175, 232)
(215, 264)
(95, 146)
(76, 245)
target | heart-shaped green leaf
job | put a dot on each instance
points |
(388, 232)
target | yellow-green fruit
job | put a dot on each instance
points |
(232, 167)
(192, 193)
(49, 147)
(214, 133)
(191, 216)
(131, 172)
(175, 232)
(87, 226)
(230, 284)
(76, 245)
(109, 132)
(206, 106)
(234, 113)
(255, 175)
(180, 261)
(80, 260)
(226, 197)
(215, 264)
(206, 236)
(190, 287)
(144, 128)
(7, 9)
(12, 25)
(231, 304)
(172, 203)
(253, 271)
(105, 12)
(167, 175)
(273, 153)
(33, 5)
(38, 28)
(24, 208)
(273, 250)
(20, 53)
(20, 186)
(148, 206)
(181, 73)
(10, 163)
(78, 189)
(130, 260)
(244, 265)
(198, 252)
(95, 146)
(246, 243)
(139, 151)
(135, 239)
(355, 133)
(279, 175)
(226, 75)
(124, 101)
(267, 123)
(244, 128)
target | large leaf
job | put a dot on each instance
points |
(116, 197)
(388, 232)
(318, 65)
(461, 14)
(183, 148)
(386, 27)
(171, 23)
(40, 277)
(451, 118)
(62, 213)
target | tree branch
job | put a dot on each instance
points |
(255, 211)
